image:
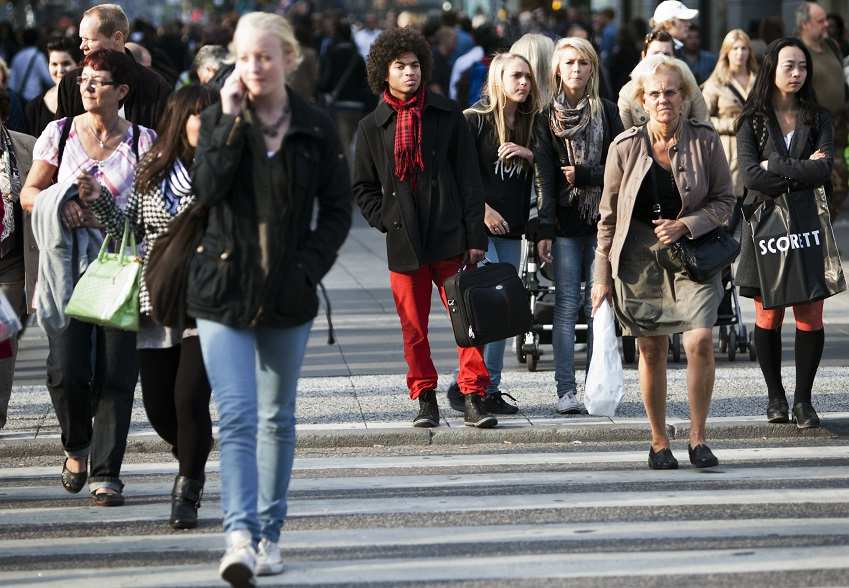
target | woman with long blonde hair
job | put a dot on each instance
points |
(502, 124)
(572, 137)
(725, 93)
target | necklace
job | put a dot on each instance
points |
(272, 129)
(103, 143)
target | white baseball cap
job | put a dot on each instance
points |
(669, 9)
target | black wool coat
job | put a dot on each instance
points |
(443, 216)
(230, 175)
(787, 170)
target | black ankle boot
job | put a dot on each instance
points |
(475, 415)
(185, 501)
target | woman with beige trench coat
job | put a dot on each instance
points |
(678, 166)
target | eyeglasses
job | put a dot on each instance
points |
(94, 82)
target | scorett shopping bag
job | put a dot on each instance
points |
(107, 294)
(605, 385)
(795, 249)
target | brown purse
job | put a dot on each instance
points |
(167, 271)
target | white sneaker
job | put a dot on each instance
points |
(238, 565)
(269, 562)
(568, 404)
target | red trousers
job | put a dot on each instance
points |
(412, 291)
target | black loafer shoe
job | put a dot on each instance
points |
(701, 456)
(107, 499)
(805, 416)
(662, 460)
(776, 411)
(73, 482)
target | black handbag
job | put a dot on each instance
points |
(703, 257)
(487, 304)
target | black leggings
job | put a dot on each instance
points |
(176, 394)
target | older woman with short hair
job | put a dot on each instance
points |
(663, 182)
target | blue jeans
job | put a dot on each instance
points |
(504, 251)
(254, 377)
(573, 264)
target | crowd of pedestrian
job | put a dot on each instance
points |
(604, 145)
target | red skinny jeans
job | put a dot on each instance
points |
(412, 291)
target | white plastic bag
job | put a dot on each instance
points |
(605, 379)
(10, 324)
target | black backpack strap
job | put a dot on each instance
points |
(136, 140)
(63, 139)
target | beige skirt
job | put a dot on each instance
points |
(653, 296)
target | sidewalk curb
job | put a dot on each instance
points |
(146, 443)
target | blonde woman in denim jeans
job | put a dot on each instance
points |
(265, 160)
(572, 137)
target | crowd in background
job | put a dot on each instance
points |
(462, 47)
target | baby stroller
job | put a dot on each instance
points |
(538, 279)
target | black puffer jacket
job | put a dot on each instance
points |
(226, 280)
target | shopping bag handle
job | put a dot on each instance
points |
(127, 235)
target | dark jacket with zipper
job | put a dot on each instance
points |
(787, 170)
(227, 282)
(443, 216)
(555, 216)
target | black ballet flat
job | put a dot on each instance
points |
(777, 411)
(701, 456)
(662, 460)
(73, 482)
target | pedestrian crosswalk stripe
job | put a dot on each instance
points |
(50, 489)
(432, 460)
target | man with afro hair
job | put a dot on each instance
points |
(416, 180)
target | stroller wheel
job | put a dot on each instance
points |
(532, 362)
(732, 344)
(723, 339)
(676, 347)
(517, 347)
(629, 349)
(753, 353)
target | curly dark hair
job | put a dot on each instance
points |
(388, 47)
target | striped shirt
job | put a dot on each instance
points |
(116, 173)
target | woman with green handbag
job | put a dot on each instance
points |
(266, 160)
(95, 152)
(174, 384)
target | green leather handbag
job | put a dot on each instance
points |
(107, 294)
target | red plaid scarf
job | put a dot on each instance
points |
(408, 135)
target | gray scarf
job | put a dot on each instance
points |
(583, 136)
